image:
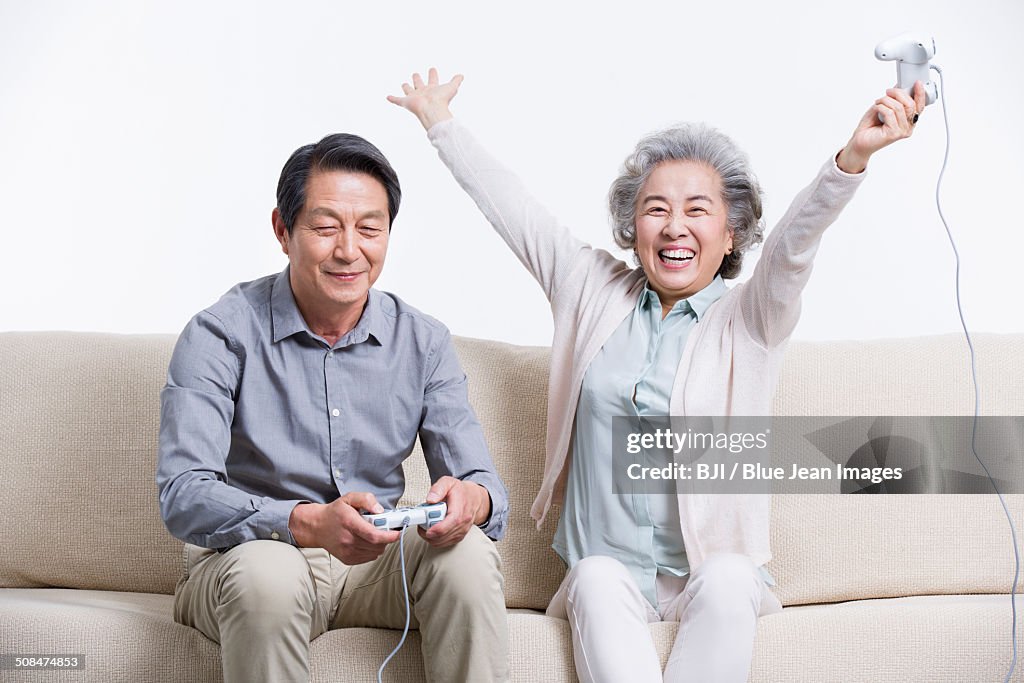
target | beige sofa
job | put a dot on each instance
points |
(893, 588)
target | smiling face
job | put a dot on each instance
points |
(682, 233)
(336, 247)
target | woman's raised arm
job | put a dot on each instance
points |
(771, 299)
(546, 248)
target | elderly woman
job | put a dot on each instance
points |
(665, 338)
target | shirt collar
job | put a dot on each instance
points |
(371, 323)
(698, 303)
(286, 318)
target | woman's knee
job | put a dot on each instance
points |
(599, 575)
(726, 577)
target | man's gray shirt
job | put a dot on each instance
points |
(259, 414)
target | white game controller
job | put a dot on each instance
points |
(425, 515)
(912, 53)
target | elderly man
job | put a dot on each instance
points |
(289, 407)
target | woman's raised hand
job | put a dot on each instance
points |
(428, 101)
(898, 114)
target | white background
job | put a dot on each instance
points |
(140, 146)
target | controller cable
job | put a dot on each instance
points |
(408, 612)
(974, 379)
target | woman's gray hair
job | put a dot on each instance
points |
(703, 144)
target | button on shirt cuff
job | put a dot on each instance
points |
(273, 521)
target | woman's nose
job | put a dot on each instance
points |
(676, 227)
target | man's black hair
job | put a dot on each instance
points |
(337, 152)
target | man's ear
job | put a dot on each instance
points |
(280, 229)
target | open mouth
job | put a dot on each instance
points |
(676, 257)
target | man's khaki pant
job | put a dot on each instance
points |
(263, 601)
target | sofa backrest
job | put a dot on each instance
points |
(508, 390)
(79, 415)
(830, 548)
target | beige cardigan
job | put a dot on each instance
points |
(731, 360)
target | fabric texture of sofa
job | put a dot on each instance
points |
(875, 588)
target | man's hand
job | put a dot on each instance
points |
(340, 529)
(468, 504)
(898, 112)
(428, 101)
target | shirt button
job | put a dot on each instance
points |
(275, 535)
(337, 473)
(330, 354)
(335, 412)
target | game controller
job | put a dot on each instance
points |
(912, 53)
(425, 515)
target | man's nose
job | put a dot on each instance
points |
(346, 248)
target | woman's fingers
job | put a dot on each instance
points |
(898, 110)
(920, 98)
(889, 119)
(887, 115)
(428, 101)
(433, 82)
(909, 106)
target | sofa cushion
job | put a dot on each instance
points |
(925, 638)
(132, 637)
(123, 636)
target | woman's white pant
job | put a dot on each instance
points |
(717, 607)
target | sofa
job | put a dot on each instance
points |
(874, 588)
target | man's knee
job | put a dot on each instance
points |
(470, 567)
(267, 580)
